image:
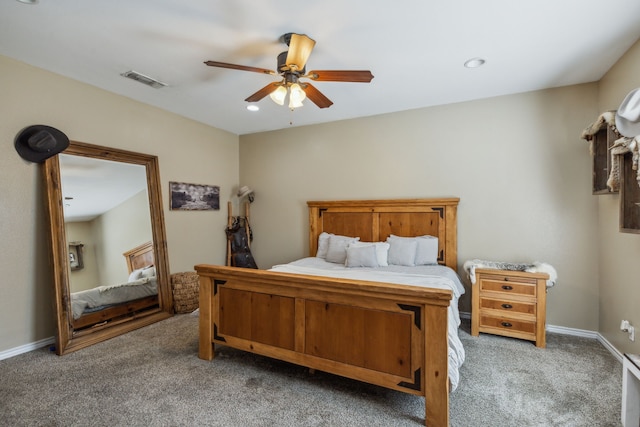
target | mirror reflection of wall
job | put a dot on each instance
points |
(86, 278)
(106, 207)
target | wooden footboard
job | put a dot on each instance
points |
(390, 335)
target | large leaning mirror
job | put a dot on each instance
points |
(108, 243)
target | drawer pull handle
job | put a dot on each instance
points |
(506, 279)
(506, 324)
(507, 287)
(507, 306)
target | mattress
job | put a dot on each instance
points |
(105, 296)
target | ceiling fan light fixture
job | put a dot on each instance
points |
(296, 96)
(294, 104)
(279, 95)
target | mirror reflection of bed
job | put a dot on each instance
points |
(110, 303)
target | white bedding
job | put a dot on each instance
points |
(431, 276)
(110, 295)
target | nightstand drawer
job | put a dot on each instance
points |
(508, 285)
(508, 306)
(507, 324)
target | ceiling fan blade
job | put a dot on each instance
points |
(300, 48)
(316, 96)
(239, 67)
(359, 76)
(262, 92)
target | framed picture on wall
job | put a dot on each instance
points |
(76, 261)
(194, 197)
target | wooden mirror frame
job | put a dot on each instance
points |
(68, 339)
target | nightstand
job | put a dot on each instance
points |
(509, 303)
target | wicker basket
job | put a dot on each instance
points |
(185, 288)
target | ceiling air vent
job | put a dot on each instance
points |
(134, 75)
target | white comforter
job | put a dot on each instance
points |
(430, 276)
(109, 295)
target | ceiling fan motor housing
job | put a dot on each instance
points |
(286, 38)
(284, 69)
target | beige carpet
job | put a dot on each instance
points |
(153, 377)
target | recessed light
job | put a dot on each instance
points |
(29, 1)
(253, 107)
(474, 63)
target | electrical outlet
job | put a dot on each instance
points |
(624, 325)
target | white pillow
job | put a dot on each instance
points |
(135, 275)
(323, 244)
(149, 272)
(402, 251)
(337, 250)
(382, 251)
(361, 256)
(427, 251)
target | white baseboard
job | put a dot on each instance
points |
(618, 355)
(574, 332)
(587, 334)
(26, 348)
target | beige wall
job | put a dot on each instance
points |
(517, 163)
(619, 252)
(123, 228)
(188, 152)
(87, 277)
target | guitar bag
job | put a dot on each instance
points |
(240, 252)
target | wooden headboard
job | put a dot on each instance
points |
(375, 220)
(140, 256)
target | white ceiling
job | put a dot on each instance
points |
(91, 187)
(414, 48)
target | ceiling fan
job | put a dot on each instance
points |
(292, 68)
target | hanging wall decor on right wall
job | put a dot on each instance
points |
(627, 121)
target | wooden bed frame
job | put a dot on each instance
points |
(396, 335)
(138, 257)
